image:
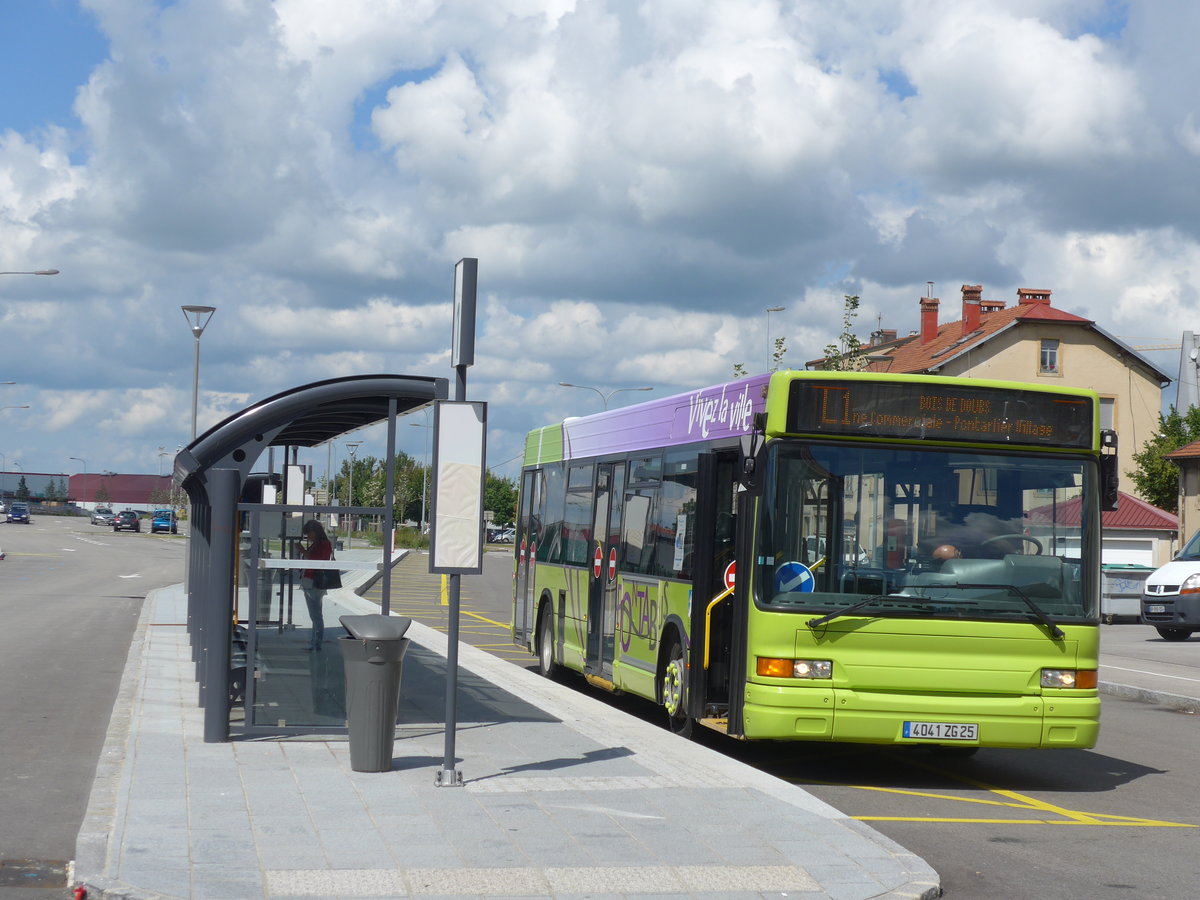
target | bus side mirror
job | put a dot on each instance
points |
(1109, 482)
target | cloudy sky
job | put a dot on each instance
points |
(640, 181)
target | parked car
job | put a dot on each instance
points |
(18, 512)
(164, 521)
(128, 520)
(102, 515)
(3, 508)
(1171, 594)
(501, 535)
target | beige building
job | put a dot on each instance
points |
(1033, 342)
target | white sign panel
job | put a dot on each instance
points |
(460, 438)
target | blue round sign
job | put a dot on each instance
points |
(793, 577)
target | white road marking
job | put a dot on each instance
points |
(1144, 672)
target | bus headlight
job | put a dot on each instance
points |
(1082, 679)
(795, 668)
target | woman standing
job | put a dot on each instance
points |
(316, 546)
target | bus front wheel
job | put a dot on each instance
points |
(674, 680)
(546, 664)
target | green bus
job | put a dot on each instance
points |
(827, 556)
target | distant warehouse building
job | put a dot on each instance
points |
(141, 492)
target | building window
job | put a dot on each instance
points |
(1107, 407)
(1049, 363)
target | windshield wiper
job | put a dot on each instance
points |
(853, 607)
(1055, 632)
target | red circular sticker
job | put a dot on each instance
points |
(730, 575)
(612, 563)
(597, 562)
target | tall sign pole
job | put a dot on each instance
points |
(456, 533)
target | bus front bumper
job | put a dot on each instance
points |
(1053, 719)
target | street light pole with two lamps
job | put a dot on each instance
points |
(424, 471)
(604, 396)
(770, 343)
(352, 446)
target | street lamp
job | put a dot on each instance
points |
(82, 460)
(34, 272)
(605, 397)
(424, 470)
(197, 317)
(25, 406)
(770, 309)
(352, 446)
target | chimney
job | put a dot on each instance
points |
(972, 294)
(929, 317)
(884, 335)
(990, 306)
(1028, 296)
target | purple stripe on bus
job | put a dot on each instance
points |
(711, 413)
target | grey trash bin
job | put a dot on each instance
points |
(373, 656)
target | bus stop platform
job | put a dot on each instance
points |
(562, 797)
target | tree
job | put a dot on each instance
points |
(22, 490)
(847, 354)
(500, 496)
(1156, 478)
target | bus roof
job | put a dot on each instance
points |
(710, 413)
(726, 411)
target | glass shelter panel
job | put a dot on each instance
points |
(286, 637)
(928, 533)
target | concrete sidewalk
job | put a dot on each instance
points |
(562, 797)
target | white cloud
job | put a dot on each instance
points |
(639, 183)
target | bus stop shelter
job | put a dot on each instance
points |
(218, 471)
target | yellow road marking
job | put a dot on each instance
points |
(1013, 800)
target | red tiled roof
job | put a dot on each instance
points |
(1131, 513)
(913, 356)
(1187, 451)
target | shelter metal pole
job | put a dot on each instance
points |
(223, 492)
(385, 601)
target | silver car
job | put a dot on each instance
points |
(102, 515)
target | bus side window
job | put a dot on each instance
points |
(577, 515)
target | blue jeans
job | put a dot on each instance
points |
(313, 597)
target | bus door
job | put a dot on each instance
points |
(602, 574)
(526, 540)
(717, 621)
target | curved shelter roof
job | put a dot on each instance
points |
(213, 470)
(304, 416)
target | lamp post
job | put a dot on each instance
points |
(604, 396)
(34, 272)
(197, 317)
(82, 460)
(352, 446)
(770, 309)
(424, 470)
(23, 406)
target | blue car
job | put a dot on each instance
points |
(164, 521)
(18, 512)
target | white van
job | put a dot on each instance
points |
(1171, 596)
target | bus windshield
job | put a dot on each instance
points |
(944, 533)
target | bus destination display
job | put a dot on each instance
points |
(939, 412)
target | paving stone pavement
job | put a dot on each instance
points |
(562, 797)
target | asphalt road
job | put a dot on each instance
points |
(70, 596)
(1118, 821)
